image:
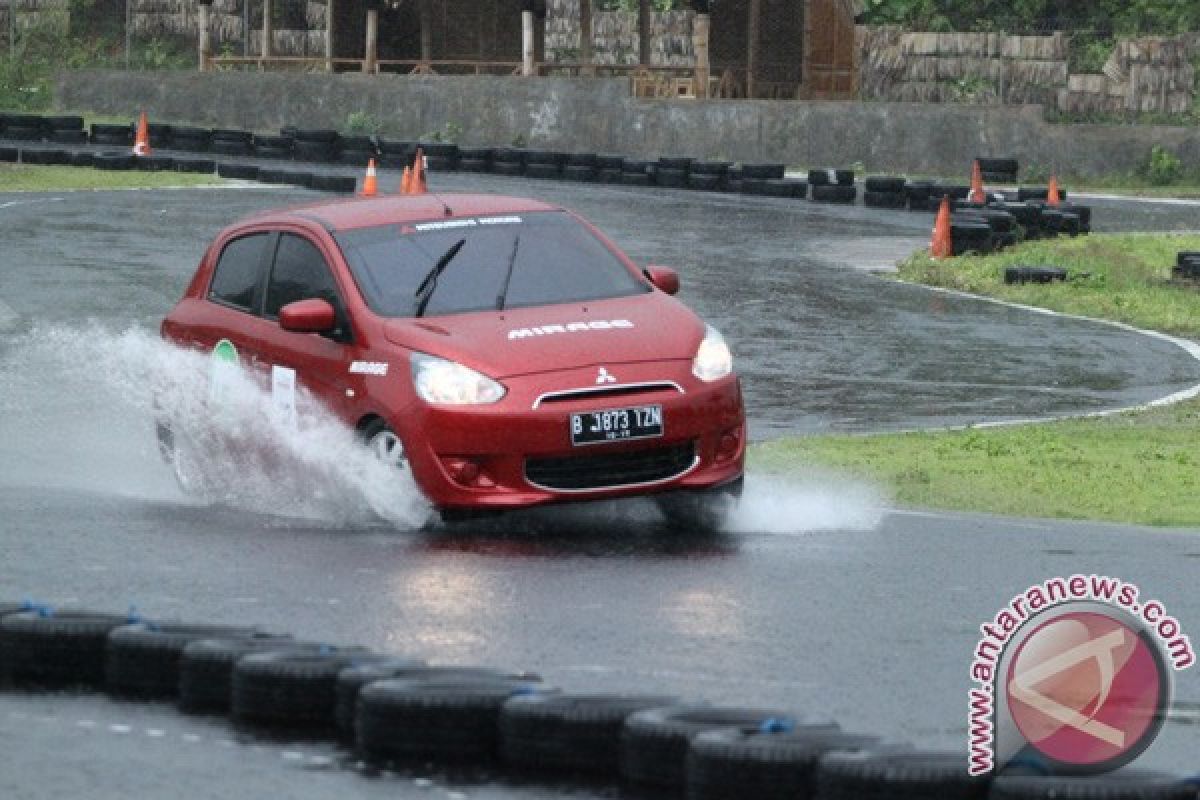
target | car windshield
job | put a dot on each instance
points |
(558, 260)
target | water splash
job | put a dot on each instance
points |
(78, 409)
(806, 504)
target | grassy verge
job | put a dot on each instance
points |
(29, 178)
(1138, 468)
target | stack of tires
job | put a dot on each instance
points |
(673, 172)
(998, 170)
(24, 127)
(191, 139)
(66, 130)
(1003, 226)
(545, 164)
(709, 176)
(635, 172)
(358, 150)
(883, 191)
(833, 185)
(440, 156)
(971, 236)
(609, 168)
(232, 142)
(316, 145)
(112, 135)
(273, 147)
(508, 161)
(1187, 265)
(395, 154)
(475, 159)
(581, 167)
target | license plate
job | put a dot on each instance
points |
(616, 425)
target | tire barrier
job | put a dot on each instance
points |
(736, 763)
(45, 157)
(9, 154)
(1022, 275)
(836, 193)
(142, 660)
(999, 170)
(396, 710)
(654, 743)
(201, 166)
(242, 172)
(112, 135)
(1187, 265)
(155, 163)
(570, 732)
(113, 160)
(192, 140)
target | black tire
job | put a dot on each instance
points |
(206, 669)
(112, 140)
(654, 743)
(315, 135)
(113, 161)
(112, 134)
(1083, 212)
(357, 158)
(675, 162)
(190, 144)
(634, 166)
(241, 172)
(272, 143)
(582, 160)
(56, 650)
(785, 188)
(582, 174)
(544, 157)
(835, 194)
(317, 152)
(230, 147)
(882, 183)
(672, 177)
(422, 721)
(45, 157)
(1120, 785)
(341, 184)
(142, 660)
(1038, 193)
(720, 168)
(763, 172)
(294, 178)
(160, 135)
(227, 135)
(81, 158)
(736, 763)
(844, 177)
(274, 153)
(476, 154)
(570, 733)
(474, 165)
(901, 775)
(351, 681)
(9, 154)
(439, 149)
(1008, 166)
(392, 147)
(200, 166)
(441, 163)
(508, 155)
(821, 177)
(608, 161)
(154, 163)
(542, 171)
(893, 200)
(609, 176)
(636, 179)
(63, 123)
(291, 689)
(706, 182)
(511, 168)
(69, 137)
(756, 186)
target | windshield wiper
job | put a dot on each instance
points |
(512, 262)
(428, 286)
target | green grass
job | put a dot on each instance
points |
(1141, 468)
(1121, 277)
(30, 178)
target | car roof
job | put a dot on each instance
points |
(365, 212)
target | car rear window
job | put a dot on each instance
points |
(236, 277)
(558, 260)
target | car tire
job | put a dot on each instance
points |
(351, 681)
(700, 511)
(908, 774)
(292, 689)
(451, 721)
(206, 669)
(241, 172)
(734, 763)
(570, 733)
(654, 743)
(57, 650)
(142, 660)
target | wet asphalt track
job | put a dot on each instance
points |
(873, 627)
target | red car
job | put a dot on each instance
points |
(501, 349)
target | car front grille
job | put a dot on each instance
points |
(608, 470)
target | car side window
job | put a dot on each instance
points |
(300, 273)
(236, 276)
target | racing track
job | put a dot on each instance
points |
(810, 606)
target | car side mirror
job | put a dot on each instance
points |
(313, 315)
(664, 278)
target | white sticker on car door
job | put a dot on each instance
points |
(283, 395)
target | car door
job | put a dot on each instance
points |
(299, 362)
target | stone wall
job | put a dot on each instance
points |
(598, 115)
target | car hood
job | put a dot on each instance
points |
(525, 341)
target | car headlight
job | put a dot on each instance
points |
(448, 383)
(713, 360)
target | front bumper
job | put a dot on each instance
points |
(518, 453)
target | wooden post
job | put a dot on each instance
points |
(204, 43)
(528, 54)
(371, 53)
(265, 52)
(644, 32)
(585, 37)
(329, 35)
(700, 38)
(539, 39)
(753, 37)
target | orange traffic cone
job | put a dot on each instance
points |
(141, 144)
(406, 181)
(419, 186)
(942, 245)
(977, 195)
(370, 184)
(1052, 196)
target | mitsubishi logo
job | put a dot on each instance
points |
(604, 376)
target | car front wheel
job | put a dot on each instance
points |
(700, 511)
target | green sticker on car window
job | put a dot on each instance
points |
(223, 372)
